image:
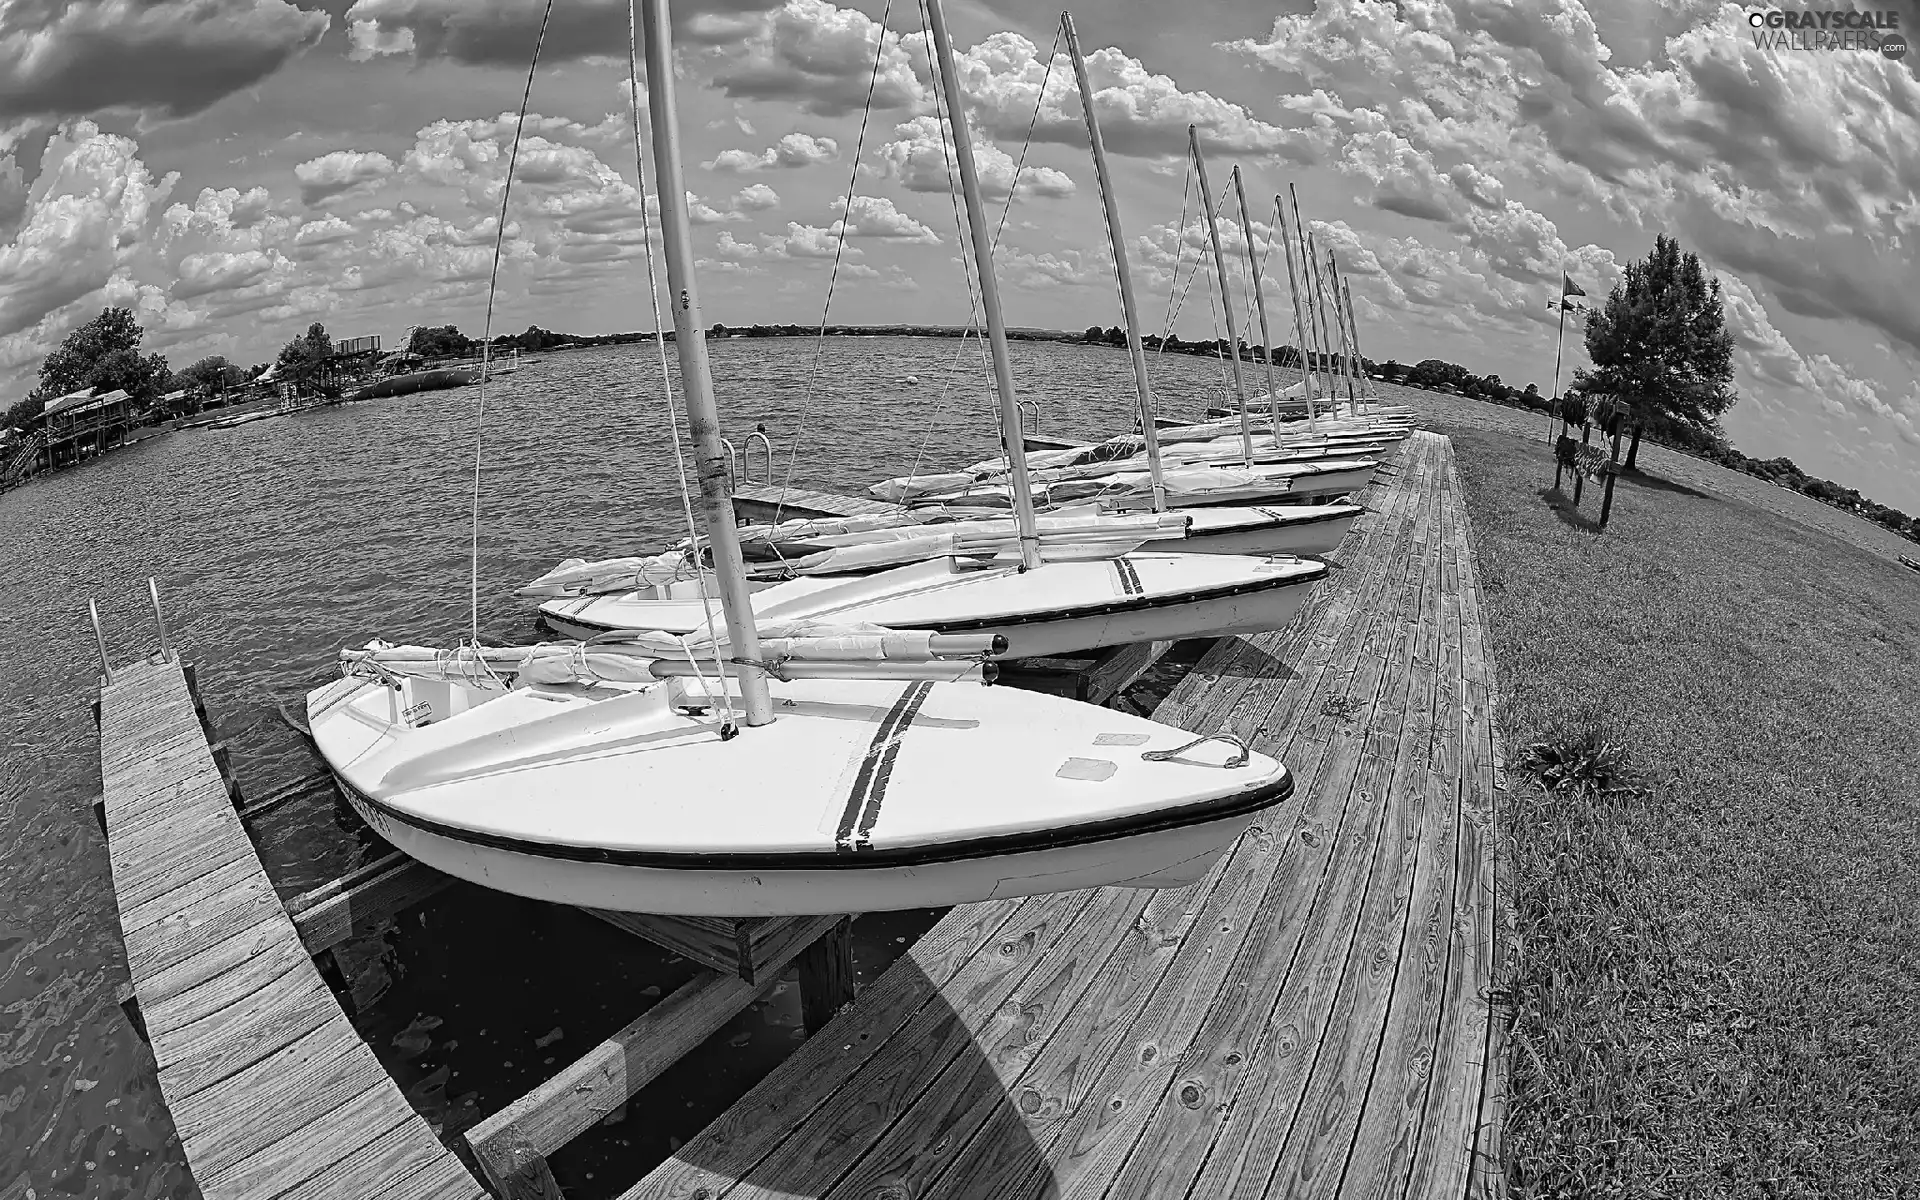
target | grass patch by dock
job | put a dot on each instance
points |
(1717, 977)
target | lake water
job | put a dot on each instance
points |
(278, 542)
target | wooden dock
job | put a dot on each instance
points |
(761, 502)
(1312, 1019)
(271, 1089)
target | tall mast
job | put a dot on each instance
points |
(1226, 293)
(1142, 389)
(696, 379)
(1340, 324)
(1299, 320)
(1259, 301)
(1353, 335)
(989, 290)
(1317, 372)
(1320, 315)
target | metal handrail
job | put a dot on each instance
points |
(747, 456)
(159, 617)
(99, 640)
(733, 463)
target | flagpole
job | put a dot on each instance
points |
(1559, 343)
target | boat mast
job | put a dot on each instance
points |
(1316, 372)
(1299, 324)
(1353, 332)
(1259, 301)
(1340, 324)
(696, 378)
(1226, 294)
(1319, 285)
(1010, 431)
(1142, 389)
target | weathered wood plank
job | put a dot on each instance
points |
(975, 947)
(1122, 667)
(363, 901)
(605, 1077)
(200, 1054)
(969, 1105)
(709, 941)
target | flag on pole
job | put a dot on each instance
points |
(1568, 287)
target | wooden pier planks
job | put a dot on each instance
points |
(761, 502)
(272, 1090)
(1311, 1019)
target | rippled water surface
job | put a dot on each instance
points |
(277, 542)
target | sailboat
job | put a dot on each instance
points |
(802, 769)
(1042, 605)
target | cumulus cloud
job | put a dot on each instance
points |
(88, 217)
(171, 57)
(502, 33)
(921, 157)
(1140, 112)
(756, 197)
(876, 217)
(814, 54)
(340, 173)
(792, 150)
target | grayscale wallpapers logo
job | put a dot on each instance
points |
(1876, 31)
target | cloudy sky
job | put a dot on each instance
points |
(235, 169)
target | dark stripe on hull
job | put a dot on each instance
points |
(876, 769)
(1245, 803)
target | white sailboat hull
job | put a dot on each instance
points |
(860, 796)
(1058, 608)
(1295, 529)
(1161, 860)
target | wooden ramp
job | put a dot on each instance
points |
(1312, 1019)
(760, 502)
(272, 1091)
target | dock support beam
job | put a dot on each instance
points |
(826, 976)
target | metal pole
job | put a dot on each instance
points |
(1226, 294)
(100, 641)
(1142, 388)
(989, 290)
(1340, 326)
(1314, 329)
(1560, 341)
(159, 618)
(696, 378)
(1299, 321)
(1259, 303)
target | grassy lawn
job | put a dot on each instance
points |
(1718, 984)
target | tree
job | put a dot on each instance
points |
(438, 341)
(1661, 343)
(307, 358)
(1094, 334)
(210, 376)
(103, 354)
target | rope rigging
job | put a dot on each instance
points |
(486, 342)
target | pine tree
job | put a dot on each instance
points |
(1661, 344)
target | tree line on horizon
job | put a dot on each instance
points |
(1662, 369)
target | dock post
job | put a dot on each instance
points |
(159, 618)
(826, 976)
(99, 640)
(522, 1173)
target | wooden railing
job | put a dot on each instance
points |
(21, 461)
